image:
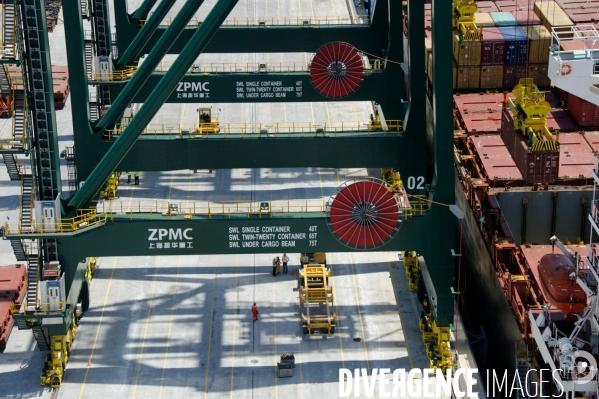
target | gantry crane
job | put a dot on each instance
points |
(68, 230)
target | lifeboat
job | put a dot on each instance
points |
(561, 291)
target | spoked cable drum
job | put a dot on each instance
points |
(364, 214)
(336, 70)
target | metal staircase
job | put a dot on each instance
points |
(8, 42)
(4, 82)
(88, 57)
(18, 128)
(26, 197)
(42, 104)
(102, 43)
(11, 166)
(32, 279)
(84, 9)
(71, 169)
(40, 338)
(19, 250)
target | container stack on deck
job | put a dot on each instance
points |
(515, 44)
(12, 289)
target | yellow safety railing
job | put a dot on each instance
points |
(37, 308)
(229, 209)
(279, 21)
(370, 67)
(332, 129)
(84, 220)
(114, 76)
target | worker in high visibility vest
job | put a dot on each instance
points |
(129, 177)
(255, 311)
(136, 178)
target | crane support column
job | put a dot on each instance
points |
(144, 10)
(146, 32)
(123, 144)
(149, 65)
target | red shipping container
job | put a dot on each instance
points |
(583, 112)
(493, 47)
(487, 6)
(526, 17)
(536, 167)
(566, 4)
(584, 15)
(513, 5)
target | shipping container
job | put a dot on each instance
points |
(551, 14)
(480, 112)
(12, 289)
(593, 139)
(512, 75)
(483, 20)
(491, 76)
(583, 112)
(513, 5)
(465, 52)
(516, 44)
(526, 17)
(538, 73)
(493, 47)
(584, 15)
(576, 157)
(536, 167)
(503, 18)
(568, 4)
(468, 77)
(486, 6)
(539, 43)
(498, 164)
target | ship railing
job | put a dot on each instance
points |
(593, 259)
(84, 220)
(585, 34)
(37, 308)
(279, 21)
(595, 211)
(227, 209)
(173, 131)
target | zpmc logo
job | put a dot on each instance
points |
(585, 367)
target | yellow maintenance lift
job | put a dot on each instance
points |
(313, 258)
(207, 124)
(464, 21)
(530, 116)
(316, 299)
(111, 185)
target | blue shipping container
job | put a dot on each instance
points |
(503, 18)
(516, 44)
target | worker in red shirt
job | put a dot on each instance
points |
(255, 311)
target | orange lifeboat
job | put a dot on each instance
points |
(561, 291)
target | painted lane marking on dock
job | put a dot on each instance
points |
(351, 262)
(403, 330)
(330, 265)
(234, 324)
(143, 341)
(98, 328)
(170, 324)
(210, 328)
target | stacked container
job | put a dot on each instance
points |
(467, 56)
(551, 15)
(516, 46)
(536, 167)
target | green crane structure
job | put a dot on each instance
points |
(421, 151)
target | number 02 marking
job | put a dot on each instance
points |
(416, 183)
